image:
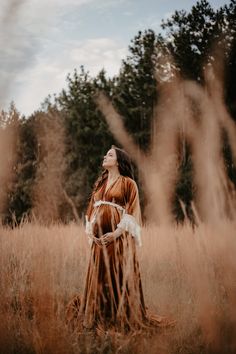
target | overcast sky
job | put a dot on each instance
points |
(44, 40)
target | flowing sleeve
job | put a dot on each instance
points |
(90, 206)
(131, 220)
(88, 225)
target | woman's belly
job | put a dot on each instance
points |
(105, 219)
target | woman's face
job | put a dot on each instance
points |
(110, 159)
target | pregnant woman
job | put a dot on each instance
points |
(113, 295)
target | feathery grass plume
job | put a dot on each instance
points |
(198, 265)
(8, 139)
(188, 274)
(185, 111)
(48, 193)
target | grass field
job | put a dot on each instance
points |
(187, 274)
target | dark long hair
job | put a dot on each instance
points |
(125, 167)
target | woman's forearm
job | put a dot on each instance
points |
(118, 232)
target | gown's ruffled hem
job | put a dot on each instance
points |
(76, 320)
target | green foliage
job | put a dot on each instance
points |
(135, 92)
(88, 136)
(185, 191)
(230, 75)
(193, 39)
(19, 197)
(190, 38)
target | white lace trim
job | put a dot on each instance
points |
(104, 202)
(128, 223)
(88, 230)
(88, 226)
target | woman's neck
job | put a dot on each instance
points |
(113, 174)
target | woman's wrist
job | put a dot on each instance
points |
(118, 232)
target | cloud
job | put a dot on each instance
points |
(106, 5)
(25, 26)
(99, 53)
(154, 21)
(38, 51)
(49, 73)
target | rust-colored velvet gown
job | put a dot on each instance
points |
(113, 293)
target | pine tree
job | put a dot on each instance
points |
(135, 91)
(88, 136)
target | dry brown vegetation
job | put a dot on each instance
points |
(188, 274)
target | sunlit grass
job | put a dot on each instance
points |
(188, 275)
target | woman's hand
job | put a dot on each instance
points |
(107, 238)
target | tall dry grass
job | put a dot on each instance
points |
(188, 274)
